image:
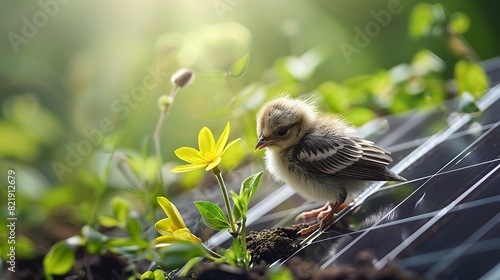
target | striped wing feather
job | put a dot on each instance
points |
(345, 157)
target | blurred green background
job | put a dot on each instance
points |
(75, 71)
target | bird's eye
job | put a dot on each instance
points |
(282, 131)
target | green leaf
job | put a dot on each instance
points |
(426, 61)
(335, 96)
(240, 208)
(148, 275)
(236, 255)
(61, 257)
(178, 254)
(134, 228)
(108, 221)
(95, 241)
(459, 23)
(120, 208)
(360, 115)
(159, 274)
(212, 215)
(126, 246)
(421, 20)
(470, 77)
(278, 272)
(239, 67)
(249, 186)
(467, 104)
(424, 18)
(238, 212)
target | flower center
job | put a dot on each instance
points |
(207, 156)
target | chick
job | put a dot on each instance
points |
(318, 155)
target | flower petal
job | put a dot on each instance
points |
(230, 144)
(221, 142)
(186, 235)
(171, 211)
(165, 239)
(213, 164)
(206, 140)
(164, 226)
(188, 154)
(188, 167)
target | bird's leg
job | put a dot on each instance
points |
(318, 214)
(315, 214)
(323, 222)
(328, 217)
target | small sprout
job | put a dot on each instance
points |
(182, 77)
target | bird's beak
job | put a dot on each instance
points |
(263, 142)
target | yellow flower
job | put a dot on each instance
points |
(172, 228)
(210, 153)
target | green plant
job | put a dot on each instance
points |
(178, 247)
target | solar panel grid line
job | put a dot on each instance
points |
(391, 255)
(459, 207)
(391, 138)
(385, 187)
(436, 256)
(460, 250)
(417, 142)
(307, 205)
(494, 273)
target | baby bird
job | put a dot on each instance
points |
(318, 155)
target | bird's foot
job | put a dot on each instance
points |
(308, 230)
(322, 225)
(314, 215)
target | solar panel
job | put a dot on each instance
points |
(444, 222)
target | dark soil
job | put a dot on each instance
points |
(269, 246)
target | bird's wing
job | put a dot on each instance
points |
(345, 157)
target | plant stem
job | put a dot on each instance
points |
(244, 238)
(129, 175)
(218, 174)
(156, 134)
(213, 256)
(188, 266)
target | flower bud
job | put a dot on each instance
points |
(182, 77)
(164, 102)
